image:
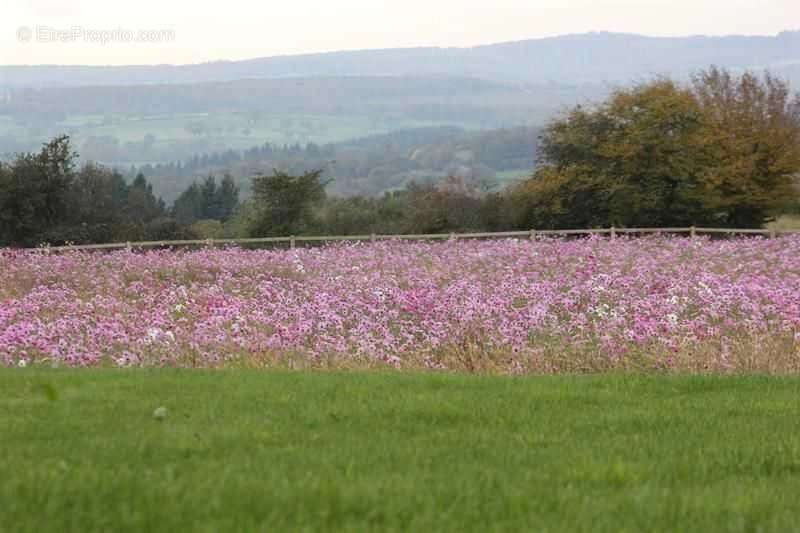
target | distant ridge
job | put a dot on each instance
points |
(570, 59)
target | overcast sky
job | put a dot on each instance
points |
(70, 32)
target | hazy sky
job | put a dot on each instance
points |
(71, 32)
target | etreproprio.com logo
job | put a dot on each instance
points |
(80, 34)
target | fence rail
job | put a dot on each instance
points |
(530, 234)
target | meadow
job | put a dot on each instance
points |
(235, 450)
(665, 304)
(410, 441)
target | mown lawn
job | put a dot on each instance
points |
(279, 451)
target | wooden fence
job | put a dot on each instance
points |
(293, 241)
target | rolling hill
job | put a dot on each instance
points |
(569, 59)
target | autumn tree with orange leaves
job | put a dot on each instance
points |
(723, 150)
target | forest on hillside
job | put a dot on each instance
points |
(370, 165)
(165, 123)
(722, 151)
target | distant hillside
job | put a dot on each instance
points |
(369, 165)
(570, 59)
(133, 115)
(160, 123)
(428, 96)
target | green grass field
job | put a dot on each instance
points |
(279, 451)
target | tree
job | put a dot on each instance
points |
(449, 206)
(188, 208)
(209, 208)
(43, 198)
(97, 200)
(752, 144)
(33, 192)
(227, 197)
(142, 206)
(284, 202)
(207, 201)
(625, 162)
(723, 151)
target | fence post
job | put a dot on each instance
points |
(210, 243)
(773, 233)
(291, 242)
(692, 232)
(613, 232)
(128, 246)
(452, 236)
(533, 235)
(372, 238)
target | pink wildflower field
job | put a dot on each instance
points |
(506, 306)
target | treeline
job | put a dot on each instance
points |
(723, 151)
(367, 166)
(424, 98)
(284, 204)
(44, 198)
